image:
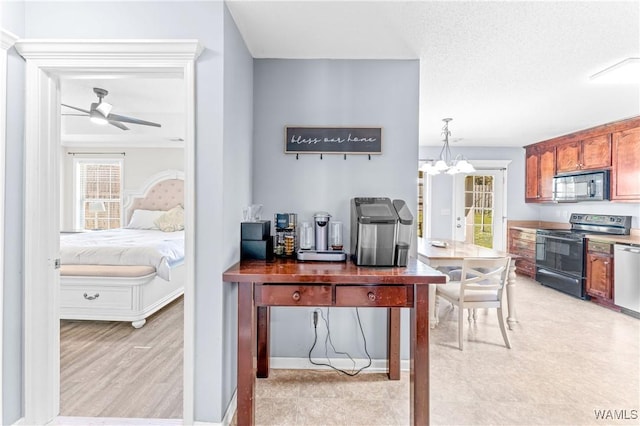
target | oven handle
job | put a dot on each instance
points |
(560, 238)
(555, 274)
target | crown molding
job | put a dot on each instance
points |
(7, 39)
(188, 49)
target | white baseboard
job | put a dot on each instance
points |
(377, 365)
(231, 409)
(20, 422)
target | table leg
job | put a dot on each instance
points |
(263, 341)
(419, 362)
(511, 295)
(393, 351)
(246, 355)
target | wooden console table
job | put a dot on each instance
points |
(342, 284)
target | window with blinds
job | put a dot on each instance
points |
(98, 193)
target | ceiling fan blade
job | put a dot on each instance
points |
(118, 125)
(76, 108)
(131, 120)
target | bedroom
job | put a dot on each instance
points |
(112, 179)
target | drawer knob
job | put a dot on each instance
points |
(95, 296)
(372, 296)
(296, 296)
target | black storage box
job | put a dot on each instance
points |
(256, 231)
(251, 249)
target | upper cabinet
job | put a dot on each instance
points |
(539, 169)
(625, 175)
(587, 154)
(614, 146)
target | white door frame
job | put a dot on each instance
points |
(481, 166)
(47, 62)
(7, 40)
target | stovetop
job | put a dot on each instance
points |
(582, 224)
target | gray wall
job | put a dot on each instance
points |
(237, 159)
(13, 20)
(209, 23)
(333, 93)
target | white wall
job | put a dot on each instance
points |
(12, 19)
(517, 209)
(333, 93)
(138, 165)
(442, 189)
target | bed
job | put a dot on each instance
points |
(129, 273)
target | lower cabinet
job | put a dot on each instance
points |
(600, 285)
(522, 243)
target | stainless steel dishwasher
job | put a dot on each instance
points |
(626, 263)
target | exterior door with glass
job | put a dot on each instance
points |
(479, 208)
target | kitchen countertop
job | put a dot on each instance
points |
(624, 239)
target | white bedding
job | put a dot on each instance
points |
(162, 250)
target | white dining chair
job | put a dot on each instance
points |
(478, 284)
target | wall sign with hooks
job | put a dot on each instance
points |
(332, 140)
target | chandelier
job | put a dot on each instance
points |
(445, 164)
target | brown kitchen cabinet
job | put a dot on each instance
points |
(588, 154)
(625, 173)
(540, 168)
(599, 282)
(522, 243)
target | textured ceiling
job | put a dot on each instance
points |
(510, 73)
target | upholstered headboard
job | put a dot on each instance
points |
(161, 191)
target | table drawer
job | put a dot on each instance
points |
(91, 297)
(523, 235)
(374, 295)
(293, 295)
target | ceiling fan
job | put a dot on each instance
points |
(100, 113)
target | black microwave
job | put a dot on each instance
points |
(584, 186)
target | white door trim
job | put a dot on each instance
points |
(488, 165)
(47, 62)
(7, 40)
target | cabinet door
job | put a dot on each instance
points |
(547, 170)
(599, 275)
(596, 152)
(532, 165)
(568, 157)
(625, 176)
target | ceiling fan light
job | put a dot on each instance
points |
(104, 108)
(97, 118)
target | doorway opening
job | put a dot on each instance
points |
(47, 63)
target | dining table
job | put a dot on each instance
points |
(438, 253)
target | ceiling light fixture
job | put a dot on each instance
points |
(96, 117)
(623, 72)
(444, 164)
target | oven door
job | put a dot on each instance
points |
(560, 254)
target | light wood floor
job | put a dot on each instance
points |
(110, 369)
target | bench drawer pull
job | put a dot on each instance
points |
(95, 296)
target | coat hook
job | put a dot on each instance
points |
(369, 157)
(296, 156)
(321, 156)
(345, 156)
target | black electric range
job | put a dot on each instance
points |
(560, 253)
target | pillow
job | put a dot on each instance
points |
(172, 220)
(144, 219)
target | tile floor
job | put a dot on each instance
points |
(569, 358)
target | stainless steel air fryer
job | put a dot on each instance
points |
(373, 231)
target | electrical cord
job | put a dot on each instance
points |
(328, 339)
